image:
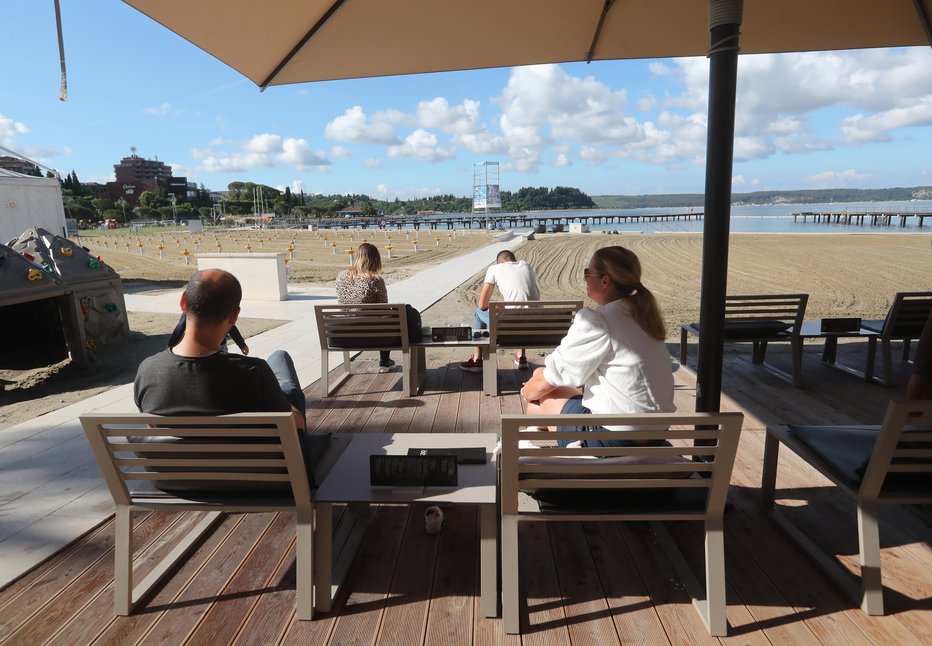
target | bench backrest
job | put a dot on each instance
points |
(623, 479)
(760, 314)
(900, 466)
(238, 459)
(382, 326)
(530, 324)
(907, 315)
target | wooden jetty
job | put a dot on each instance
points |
(860, 218)
(508, 220)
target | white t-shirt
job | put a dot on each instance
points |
(515, 280)
(620, 367)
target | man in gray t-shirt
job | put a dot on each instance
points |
(195, 378)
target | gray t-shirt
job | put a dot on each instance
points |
(218, 384)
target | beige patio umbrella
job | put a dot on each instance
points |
(295, 41)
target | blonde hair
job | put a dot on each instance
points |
(366, 262)
(624, 269)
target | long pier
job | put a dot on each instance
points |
(508, 220)
(861, 218)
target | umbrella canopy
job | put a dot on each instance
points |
(294, 41)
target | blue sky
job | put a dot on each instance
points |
(858, 119)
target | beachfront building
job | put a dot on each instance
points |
(135, 174)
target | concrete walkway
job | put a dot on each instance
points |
(51, 490)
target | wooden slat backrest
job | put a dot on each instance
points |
(524, 323)
(907, 314)
(783, 307)
(717, 459)
(350, 327)
(901, 451)
(264, 440)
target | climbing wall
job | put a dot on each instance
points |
(39, 315)
(96, 286)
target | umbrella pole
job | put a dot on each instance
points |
(724, 25)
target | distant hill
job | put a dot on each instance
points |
(767, 197)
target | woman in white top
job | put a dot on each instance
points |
(613, 358)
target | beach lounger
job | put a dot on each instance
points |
(889, 464)
(904, 321)
(248, 462)
(759, 320)
(652, 483)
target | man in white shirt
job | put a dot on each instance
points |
(516, 281)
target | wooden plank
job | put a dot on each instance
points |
(367, 586)
(45, 570)
(587, 613)
(127, 630)
(454, 605)
(404, 619)
(541, 610)
(634, 615)
(39, 613)
(407, 409)
(183, 614)
(681, 622)
(221, 623)
(455, 381)
(85, 625)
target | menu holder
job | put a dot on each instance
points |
(413, 471)
(463, 454)
(841, 325)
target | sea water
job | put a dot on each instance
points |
(758, 218)
(768, 218)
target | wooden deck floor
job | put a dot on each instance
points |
(583, 583)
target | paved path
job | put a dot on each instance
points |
(51, 490)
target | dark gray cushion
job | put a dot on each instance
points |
(618, 501)
(847, 451)
(755, 328)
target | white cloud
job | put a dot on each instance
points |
(835, 179)
(297, 185)
(341, 151)
(10, 129)
(261, 151)
(438, 113)
(372, 162)
(738, 180)
(181, 170)
(161, 110)
(562, 160)
(353, 126)
(423, 145)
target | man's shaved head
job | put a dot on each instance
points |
(213, 295)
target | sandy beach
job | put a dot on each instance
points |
(844, 275)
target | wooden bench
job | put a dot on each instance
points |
(886, 465)
(759, 320)
(652, 483)
(904, 321)
(248, 462)
(352, 328)
(524, 324)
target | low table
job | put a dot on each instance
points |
(419, 360)
(348, 482)
(813, 330)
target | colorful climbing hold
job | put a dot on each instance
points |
(34, 274)
(111, 307)
(66, 251)
(93, 263)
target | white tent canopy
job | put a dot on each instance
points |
(27, 202)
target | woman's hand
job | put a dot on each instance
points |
(536, 387)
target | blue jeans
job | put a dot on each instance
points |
(574, 407)
(480, 319)
(283, 367)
